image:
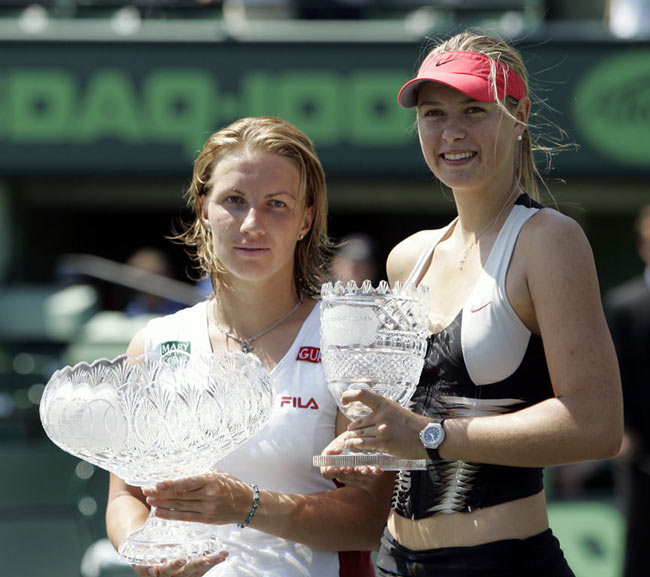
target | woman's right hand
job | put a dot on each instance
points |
(388, 428)
(182, 568)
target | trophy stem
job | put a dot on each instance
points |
(159, 541)
(349, 458)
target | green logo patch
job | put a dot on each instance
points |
(175, 347)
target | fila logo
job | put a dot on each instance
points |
(297, 403)
(309, 354)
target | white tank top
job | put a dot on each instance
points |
(484, 362)
(279, 457)
(494, 339)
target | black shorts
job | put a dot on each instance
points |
(537, 556)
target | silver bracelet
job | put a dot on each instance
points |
(256, 504)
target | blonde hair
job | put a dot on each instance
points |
(497, 50)
(275, 136)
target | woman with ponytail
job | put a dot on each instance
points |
(520, 373)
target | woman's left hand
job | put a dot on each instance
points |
(214, 498)
(389, 428)
(350, 476)
(196, 567)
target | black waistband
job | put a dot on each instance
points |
(536, 556)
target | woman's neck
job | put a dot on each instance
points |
(247, 308)
(482, 209)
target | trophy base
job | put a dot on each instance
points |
(160, 541)
(386, 462)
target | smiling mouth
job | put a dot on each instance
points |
(458, 155)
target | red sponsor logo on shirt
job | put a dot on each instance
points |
(309, 354)
(298, 403)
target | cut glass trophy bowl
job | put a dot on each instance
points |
(149, 421)
(375, 339)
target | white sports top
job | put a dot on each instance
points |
(484, 362)
(493, 338)
(279, 457)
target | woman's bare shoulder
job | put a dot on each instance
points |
(552, 233)
(405, 254)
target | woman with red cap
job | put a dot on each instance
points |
(520, 372)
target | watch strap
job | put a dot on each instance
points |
(434, 455)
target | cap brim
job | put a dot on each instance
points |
(472, 86)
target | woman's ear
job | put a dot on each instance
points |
(521, 114)
(203, 211)
(307, 221)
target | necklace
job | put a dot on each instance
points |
(468, 249)
(245, 344)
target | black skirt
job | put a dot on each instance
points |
(537, 556)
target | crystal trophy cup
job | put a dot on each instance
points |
(375, 339)
(149, 421)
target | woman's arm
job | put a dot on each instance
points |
(584, 419)
(126, 510)
(341, 519)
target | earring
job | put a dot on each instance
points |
(301, 237)
(520, 138)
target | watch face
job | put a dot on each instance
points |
(432, 435)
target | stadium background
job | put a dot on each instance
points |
(103, 105)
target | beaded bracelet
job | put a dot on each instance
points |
(256, 504)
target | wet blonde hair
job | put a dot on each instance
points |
(279, 137)
(526, 172)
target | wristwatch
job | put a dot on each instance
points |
(432, 436)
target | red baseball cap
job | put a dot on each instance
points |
(467, 72)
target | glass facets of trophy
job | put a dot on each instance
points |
(148, 421)
(372, 338)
